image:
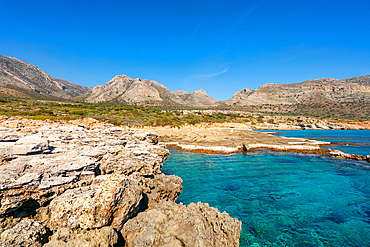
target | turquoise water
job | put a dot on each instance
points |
(282, 199)
(357, 141)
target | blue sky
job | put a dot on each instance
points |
(219, 46)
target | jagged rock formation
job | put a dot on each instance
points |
(26, 233)
(65, 237)
(20, 79)
(169, 224)
(346, 98)
(198, 97)
(79, 185)
(145, 92)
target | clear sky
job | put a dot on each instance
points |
(219, 46)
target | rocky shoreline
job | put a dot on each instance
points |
(230, 138)
(89, 183)
(319, 125)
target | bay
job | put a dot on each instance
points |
(282, 199)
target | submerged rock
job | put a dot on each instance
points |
(340, 154)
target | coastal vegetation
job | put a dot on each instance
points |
(113, 113)
(119, 114)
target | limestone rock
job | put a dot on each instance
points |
(40, 178)
(9, 135)
(24, 146)
(13, 124)
(143, 162)
(85, 182)
(171, 224)
(147, 136)
(103, 237)
(160, 187)
(26, 233)
(110, 200)
(340, 154)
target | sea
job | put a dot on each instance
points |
(285, 198)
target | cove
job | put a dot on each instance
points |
(283, 199)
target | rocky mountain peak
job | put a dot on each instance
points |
(200, 91)
(268, 85)
(32, 82)
(243, 91)
(146, 92)
(311, 95)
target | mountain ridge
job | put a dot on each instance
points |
(30, 80)
(124, 89)
(320, 97)
(328, 89)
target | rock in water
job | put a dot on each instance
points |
(170, 224)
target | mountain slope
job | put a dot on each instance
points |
(355, 89)
(345, 98)
(145, 92)
(198, 97)
(28, 81)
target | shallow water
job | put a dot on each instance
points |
(356, 141)
(282, 199)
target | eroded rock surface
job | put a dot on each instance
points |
(103, 237)
(340, 154)
(26, 233)
(110, 200)
(80, 184)
(169, 224)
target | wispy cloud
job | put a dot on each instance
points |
(211, 75)
(197, 27)
(241, 18)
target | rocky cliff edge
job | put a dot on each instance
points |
(92, 184)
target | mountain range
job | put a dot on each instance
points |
(123, 89)
(355, 89)
(19, 79)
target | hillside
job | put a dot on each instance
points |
(344, 98)
(20, 79)
(123, 89)
(321, 97)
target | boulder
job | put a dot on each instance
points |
(170, 224)
(24, 146)
(26, 233)
(159, 187)
(13, 124)
(340, 154)
(40, 178)
(103, 237)
(9, 135)
(109, 200)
